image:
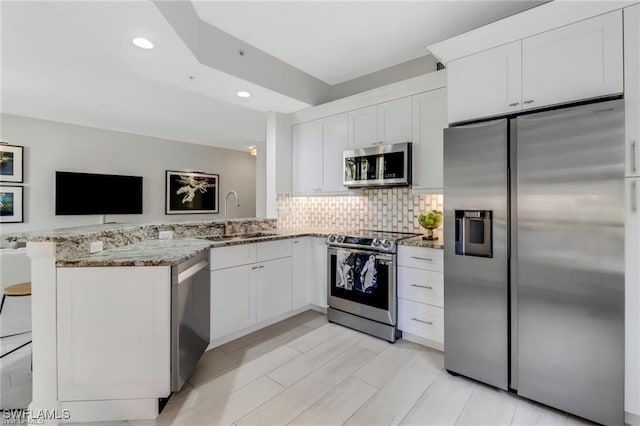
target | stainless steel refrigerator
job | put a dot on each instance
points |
(534, 256)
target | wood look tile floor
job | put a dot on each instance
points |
(305, 371)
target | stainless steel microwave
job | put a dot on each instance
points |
(384, 165)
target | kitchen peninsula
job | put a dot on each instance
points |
(112, 309)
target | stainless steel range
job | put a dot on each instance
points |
(362, 282)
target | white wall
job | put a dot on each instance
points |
(51, 146)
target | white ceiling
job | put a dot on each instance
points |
(337, 41)
(73, 61)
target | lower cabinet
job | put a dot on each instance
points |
(302, 277)
(273, 288)
(119, 319)
(420, 295)
(233, 300)
(257, 288)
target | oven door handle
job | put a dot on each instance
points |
(382, 257)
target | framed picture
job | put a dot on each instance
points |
(191, 192)
(11, 204)
(11, 163)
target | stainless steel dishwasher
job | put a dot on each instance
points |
(190, 316)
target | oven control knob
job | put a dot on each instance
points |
(375, 242)
(386, 244)
(340, 239)
(332, 238)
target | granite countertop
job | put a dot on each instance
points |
(417, 241)
(145, 253)
(174, 251)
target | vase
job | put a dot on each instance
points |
(429, 235)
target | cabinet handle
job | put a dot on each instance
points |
(428, 287)
(261, 266)
(254, 267)
(634, 196)
(514, 104)
(296, 242)
(634, 156)
(530, 101)
(422, 258)
(422, 321)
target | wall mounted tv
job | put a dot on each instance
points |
(89, 193)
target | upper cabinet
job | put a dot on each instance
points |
(632, 88)
(485, 84)
(394, 121)
(429, 121)
(363, 127)
(578, 61)
(388, 122)
(317, 155)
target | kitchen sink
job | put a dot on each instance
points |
(240, 236)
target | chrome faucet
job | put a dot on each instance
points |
(227, 226)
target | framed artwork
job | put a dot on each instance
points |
(11, 204)
(11, 163)
(191, 192)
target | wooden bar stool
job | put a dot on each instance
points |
(16, 290)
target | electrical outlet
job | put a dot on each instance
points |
(96, 247)
(165, 235)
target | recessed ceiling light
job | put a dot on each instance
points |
(244, 94)
(142, 43)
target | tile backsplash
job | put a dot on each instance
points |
(389, 209)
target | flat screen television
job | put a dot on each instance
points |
(89, 193)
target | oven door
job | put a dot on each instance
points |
(362, 283)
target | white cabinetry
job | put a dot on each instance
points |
(302, 276)
(632, 88)
(114, 337)
(319, 272)
(273, 288)
(335, 140)
(394, 121)
(632, 296)
(250, 284)
(578, 61)
(307, 155)
(363, 127)
(317, 155)
(421, 295)
(485, 84)
(233, 299)
(429, 121)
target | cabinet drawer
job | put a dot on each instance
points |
(274, 250)
(420, 285)
(419, 257)
(226, 257)
(422, 320)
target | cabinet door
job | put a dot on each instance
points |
(429, 120)
(632, 87)
(302, 275)
(114, 336)
(394, 121)
(273, 288)
(335, 140)
(363, 127)
(578, 61)
(632, 297)
(485, 84)
(307, 157)
(233, 300)
(319, 272)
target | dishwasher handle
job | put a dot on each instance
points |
(192, 270)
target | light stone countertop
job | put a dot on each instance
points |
(419, 242)
(174, 251)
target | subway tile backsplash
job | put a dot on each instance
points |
(389, 209)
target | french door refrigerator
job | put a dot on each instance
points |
(534, 256)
